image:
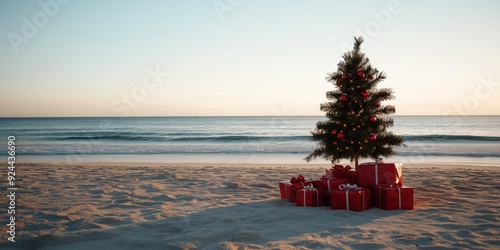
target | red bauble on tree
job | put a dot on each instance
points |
(344, 77)
(370, 77)
(373, 138)
(335, 143)
(334, 132)
(373, 118)
(341, 135)
(360, 73)
(377, 104)
(365, 95)
(343, 98)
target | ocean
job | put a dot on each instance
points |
(267, 139)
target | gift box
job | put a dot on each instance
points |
(327, 185)
(341, 172)
(296, 184)
(376, 194)
(376, 173)
(395, 197)
(311, 197)
(284, 189)
(351, 197)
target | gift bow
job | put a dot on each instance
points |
(310, 187)
(299, 179)
(349, 187)
(341, 168)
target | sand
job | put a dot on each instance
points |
(193, 206)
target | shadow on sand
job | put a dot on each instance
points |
(265, 224)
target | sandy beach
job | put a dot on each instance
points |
(193, 206)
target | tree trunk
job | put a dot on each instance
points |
(356, 158)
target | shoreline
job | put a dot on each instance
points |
(256, 165)
(238, 159)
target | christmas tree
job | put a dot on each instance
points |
(356, 126)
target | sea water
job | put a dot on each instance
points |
(264, 139)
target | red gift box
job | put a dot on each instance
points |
(327, 185)
(310, 198)
(372, 174)
(341, 172)
(351, 198)
(284, 189)
(394, 197)
(296, 184)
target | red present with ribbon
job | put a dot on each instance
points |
(350, 197)
(376, 193)
(395, 198)
(296, 184)
(310, 196)
(341, 172)
(377, 173)
(327, 185)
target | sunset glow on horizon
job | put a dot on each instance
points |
(237, 58)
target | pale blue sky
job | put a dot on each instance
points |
(251, 58)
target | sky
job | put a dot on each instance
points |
(239, 57)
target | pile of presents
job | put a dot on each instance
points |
(373, 184)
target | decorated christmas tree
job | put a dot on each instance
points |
(357, 122)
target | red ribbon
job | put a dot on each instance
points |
(298, 186)
(299, 179)
(341, 168)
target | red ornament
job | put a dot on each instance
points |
(360, 73)
(334, 132)
(335, 143)
(341, 136)
(370, 77)
(373, 138)
(365, 95)
(343, 98)
(344, 76)
(377, 104)
(373, 118)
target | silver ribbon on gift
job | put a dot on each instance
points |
(347, 188)
(310, 187)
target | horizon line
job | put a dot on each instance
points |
(194, 116)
